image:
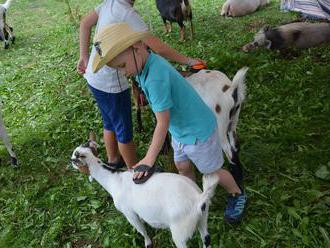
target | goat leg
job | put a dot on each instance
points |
(6, 141)
(182, 33)
(135, 221)
(191, 30)
(10, 33)
(166, 29)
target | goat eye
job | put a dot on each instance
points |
(255, 43)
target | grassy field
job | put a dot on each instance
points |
(284, 132)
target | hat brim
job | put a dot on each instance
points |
(116, 48)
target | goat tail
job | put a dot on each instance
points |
(239, 84)
(7, 4)
(210, 182)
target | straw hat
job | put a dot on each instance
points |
(112, 40)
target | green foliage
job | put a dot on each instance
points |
(284, 133)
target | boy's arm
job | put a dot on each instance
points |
(86, 25)
(156, 45)
(158, 139)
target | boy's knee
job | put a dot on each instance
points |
(183, 167)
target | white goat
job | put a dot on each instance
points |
(166, 200)
(6, 141)
(6, 32)
(225, 98)
(236, 8)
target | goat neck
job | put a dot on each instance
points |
(110, 181)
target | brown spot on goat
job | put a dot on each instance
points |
(217, 108)
(225, 87)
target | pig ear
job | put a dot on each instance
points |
(268, 44)
(266, 28)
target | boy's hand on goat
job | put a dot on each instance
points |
(144, 161)
(193, 61)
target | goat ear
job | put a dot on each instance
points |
(92, 143)
(77, 154)
(93, 149)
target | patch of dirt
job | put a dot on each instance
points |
(255, 25)
(84, 243)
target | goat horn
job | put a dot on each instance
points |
(92, 136)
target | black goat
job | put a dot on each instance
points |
(175, 11)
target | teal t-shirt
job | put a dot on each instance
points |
(166, 89)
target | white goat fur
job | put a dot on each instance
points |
(166, 200)
(216, 89)
(236, 8)
(4, 28)
(5, 138)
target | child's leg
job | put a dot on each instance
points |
(111, 146)
(185, 168)
(116, 150)
(128, 152)
(182, 161)
(227, 181)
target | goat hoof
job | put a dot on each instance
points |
(13, 40)
(6, 46)
(149, 246)
(14, 161)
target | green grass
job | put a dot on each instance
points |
(284, 131)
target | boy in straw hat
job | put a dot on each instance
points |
(110, 87)
(178, 108)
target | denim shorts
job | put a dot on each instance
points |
(116, 113)
(207, 156)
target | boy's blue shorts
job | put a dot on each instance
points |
(116, 113)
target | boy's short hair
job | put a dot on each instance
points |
(113, 40)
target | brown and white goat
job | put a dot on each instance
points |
(176, 11)
(6, 32)
(224, 97)
(237, 8)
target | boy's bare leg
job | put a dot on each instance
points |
(128, 152)
(185, 168)
(111, 146)
(227, 181)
